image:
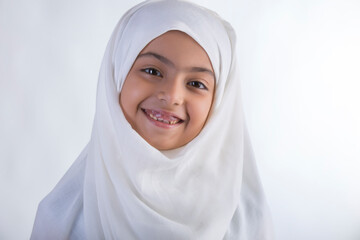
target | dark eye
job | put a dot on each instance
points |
(152, 71)
(197, 84)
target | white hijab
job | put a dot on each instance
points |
(120, 187)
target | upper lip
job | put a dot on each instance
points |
(162, 113)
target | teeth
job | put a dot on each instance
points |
(162, 120)
(153, 117)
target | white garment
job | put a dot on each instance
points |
(121, 187)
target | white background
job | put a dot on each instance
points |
(300, 62)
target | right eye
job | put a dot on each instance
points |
(152, 71)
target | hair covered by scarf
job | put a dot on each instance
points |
(120, 187)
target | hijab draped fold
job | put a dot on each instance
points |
(120, 187)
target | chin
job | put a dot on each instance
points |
(163, 147)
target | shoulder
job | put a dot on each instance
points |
(59, 214)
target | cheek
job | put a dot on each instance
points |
(131, 95)
(199, 112)
(128, 101)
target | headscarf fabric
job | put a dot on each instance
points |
(121, 187)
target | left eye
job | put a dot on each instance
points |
(152, 71)
(197, 84)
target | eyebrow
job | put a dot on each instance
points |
(170, 63)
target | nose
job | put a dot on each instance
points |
(171, 92)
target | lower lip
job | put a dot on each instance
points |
(161, 124)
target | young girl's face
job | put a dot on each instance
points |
(167, 94)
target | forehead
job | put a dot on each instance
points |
(180, 48)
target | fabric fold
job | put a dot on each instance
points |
(121, 187)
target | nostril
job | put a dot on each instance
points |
(161, 96)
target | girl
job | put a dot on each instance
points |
(169, 156)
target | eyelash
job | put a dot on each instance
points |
(157, 73)
(197, 84)
(152, 71)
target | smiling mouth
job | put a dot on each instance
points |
(162, 117)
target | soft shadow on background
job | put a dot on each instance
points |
(301, 81)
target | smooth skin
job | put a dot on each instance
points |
(168, 93)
